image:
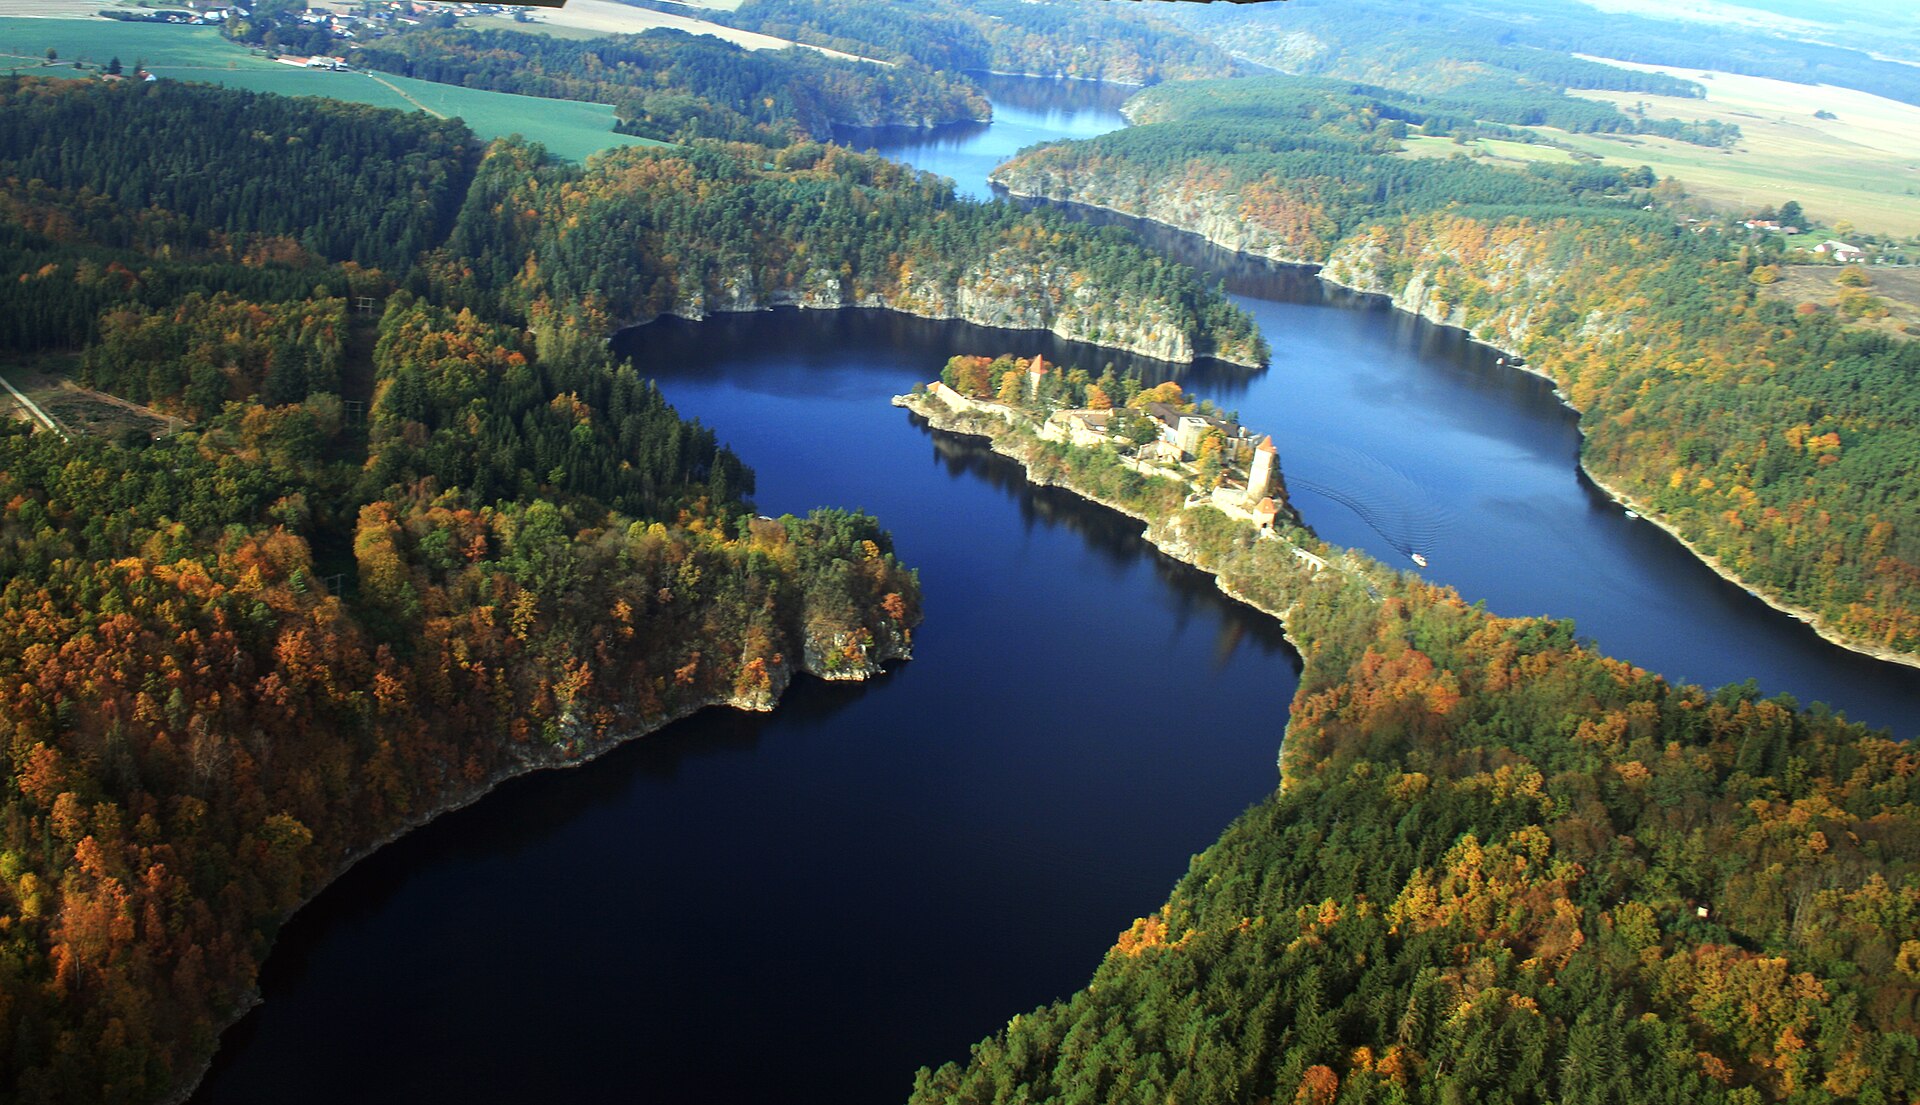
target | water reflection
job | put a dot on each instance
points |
(1026, 111)
(1117, 540)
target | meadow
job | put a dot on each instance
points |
(567, 128)
(1496, 149)
(1862, 165)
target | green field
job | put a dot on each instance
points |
(567, 128)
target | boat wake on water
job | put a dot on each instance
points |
(1406, 513)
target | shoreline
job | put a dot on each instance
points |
(788, 300)
(1809, 618)
(1806, 617)
(1162, 536)
(537, 760)
(1291, 262)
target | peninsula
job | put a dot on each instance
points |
(1588, 864)
(1597, 277)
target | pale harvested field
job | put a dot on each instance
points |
(1863, 166)
(1708, 11)
(54, 9)
(607, 17)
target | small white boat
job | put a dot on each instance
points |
(1418, 559)
(1631, 514)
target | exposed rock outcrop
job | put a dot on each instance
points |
(1206, 206)
(1007, 290)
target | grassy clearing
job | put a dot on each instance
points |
(1862, 166)
(567, 128)
(1494, 149)
(534, 26)
(46, 379)
(1897, 289)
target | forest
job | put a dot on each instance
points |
(641, 233)
(678, 87)
(1091, 42)
(1769, 436)
(1309, 161)
(255, 168)
(234, 658)
(420, 530)
(1498, 867)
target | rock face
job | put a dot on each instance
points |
(1209, 208)
(1007, 290)
(1497, 300)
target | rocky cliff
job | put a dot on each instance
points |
(1199, 202)
(1007, 290)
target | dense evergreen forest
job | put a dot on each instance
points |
(1089, 41)
(235, 657)
(640, 233)
(1308, 160)
(1771, 438)
(678, 87)
(1498, 867)
(1436, 43)
(252, 167)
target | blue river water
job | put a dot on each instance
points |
(809, 905)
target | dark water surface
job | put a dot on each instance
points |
(809, 905)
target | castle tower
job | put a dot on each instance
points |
(1035, 371)
(1260, 475)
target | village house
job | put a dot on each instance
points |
(317, 61)
(1840, 251)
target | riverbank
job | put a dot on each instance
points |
(581, 748)
(1181, 353)
(1454, 320)
(1270, 573)
(1646, 512)
(1798, 613)
(1213, 237)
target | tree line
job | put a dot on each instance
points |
(1003, 36)
(670, 85)
(640, 233)
(236, 656)
(1498, 866)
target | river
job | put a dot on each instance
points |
(808, 905)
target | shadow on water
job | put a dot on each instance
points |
(866, 880)
(814, 343)
(1114, 538)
